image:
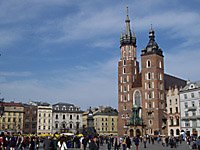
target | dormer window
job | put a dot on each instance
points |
(71, 108)
(192, 86)
(77, 109)
(57, 108)
(64, 108)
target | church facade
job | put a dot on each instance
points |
(145, 88)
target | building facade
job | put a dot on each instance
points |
(105, 120)
(190, 112)
(30, 119)
(67, 118)
(173, 112)
(44, 120)
(12, 119)
(147, 88)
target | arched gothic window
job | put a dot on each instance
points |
(137, 98)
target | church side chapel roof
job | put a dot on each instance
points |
(172, 81)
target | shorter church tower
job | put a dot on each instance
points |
(153, 86)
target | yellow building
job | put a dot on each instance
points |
(105, 120)
(12, 119)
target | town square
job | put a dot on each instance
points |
(99, 75)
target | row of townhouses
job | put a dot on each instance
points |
(183, 109)
(41, 118)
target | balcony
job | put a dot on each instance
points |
(192, 108)
(190, 117)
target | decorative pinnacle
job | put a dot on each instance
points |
(127, 20)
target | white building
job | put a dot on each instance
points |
(173, 112)
(44, 120)
(66, 118)
(190, 108)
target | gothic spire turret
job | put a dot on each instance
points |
(152, 46)
(127, 37)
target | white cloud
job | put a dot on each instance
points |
(95, 86)
(16, 74)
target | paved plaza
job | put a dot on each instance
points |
(156, 146)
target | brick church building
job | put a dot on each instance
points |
(146, 89)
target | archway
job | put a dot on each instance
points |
(131, 132)
(177, 132)
(138, 133)
(172, 132)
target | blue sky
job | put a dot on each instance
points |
(67, 51)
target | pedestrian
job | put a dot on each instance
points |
(47, 144)
(32, 143)
(116, 143)
(55, 143)
(37, 142)
(128, 143)
(137, 142)
(62, 145)
(12, 142)
(163, 141)
(124, 143)
(20, 141)
(93, 144)
(145, 142)
(198, 143)
(109, 143)
(167, 140)
(84, 142)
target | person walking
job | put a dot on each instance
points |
(93, 144)
(109, 143)
(62, 145)
(128, 143)
(55, 143)
(145, 142)
(124, 144)
(137, 142)
(12, 142)
(20, 141)
(163, 141)
(47, 144)
(116, 143)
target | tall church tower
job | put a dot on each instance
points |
(153, 88)
(128, 70)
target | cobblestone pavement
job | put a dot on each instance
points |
(156, 146)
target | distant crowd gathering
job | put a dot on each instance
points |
(19, 142)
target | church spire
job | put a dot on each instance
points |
(127, 37)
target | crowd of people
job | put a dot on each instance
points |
(19, 142)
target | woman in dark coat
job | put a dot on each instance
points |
(12, 142)
(128, 143)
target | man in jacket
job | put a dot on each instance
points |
(93, 144)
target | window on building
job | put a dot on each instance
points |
(170, 110)
(124, 52)
(192, 95)
(49, 128)
(177, 121)
(4, 119)
(49, 115)
(56, 126)
(63, 116)
(112, 119)
(27, 111)
(20, 119)
(129, 51)
(186, 105)
(102, 129)
(49, 121)
(149, 76)
(149, 104)
(149, 85)
(193, 113)
(124, 70)
(39, 127)
(193, 103)
(77, 125)
(27, 125)
(124, 79)
(8, 126)
(63, 125)
(77, 117)
(70, 126)
(187, 124)
(8, 119)
(9, 113)
(160, 64)
(124, 62)
(56, 116)
(176, 101)
(39, 114)
(44, 121)
(20, 114)
(124, 88)
(170, 102)
(194, 123)
(172, 122)
(44, 115)
(176, 109)
(34, 111)
(148, 63)
(70, 116)
(185, 96)
(186, 114)
(149, 95)
(44, 127)
(125, 107)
